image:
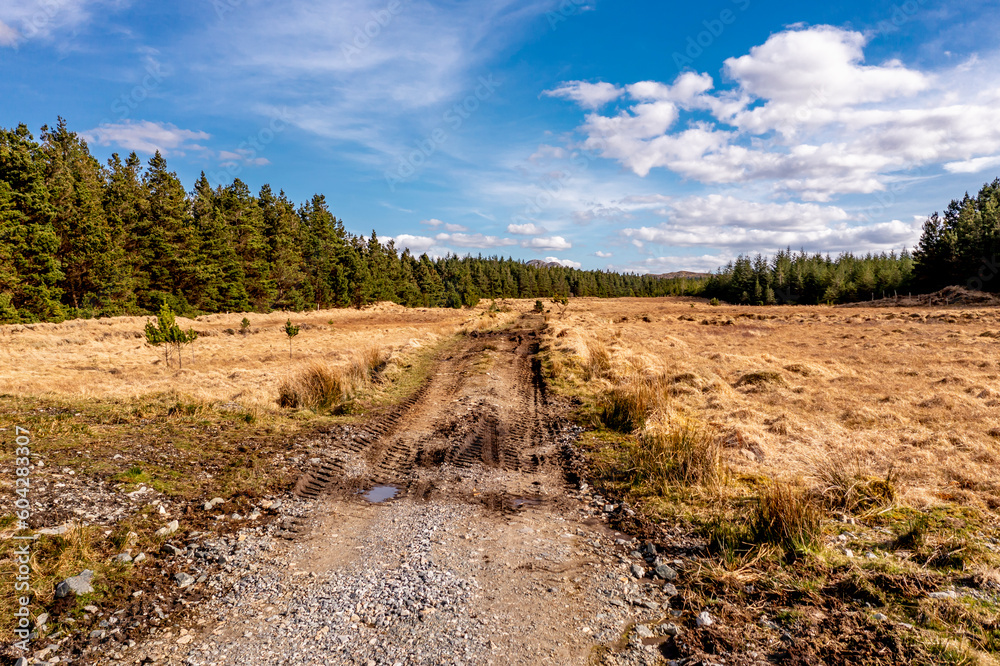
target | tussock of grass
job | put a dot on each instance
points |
(661, 458)
(847, 485)
(786, 516)
(762, 378)
(914, 533)
(626, 407)
(322, 388)
(598, 363)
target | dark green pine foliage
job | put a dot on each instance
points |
(169, 245)
(283, 243)
(125, 207)
(30, 269)
(810, 279)
(962, 246)
(219, 275)
(325, 254)
(244, 217)
(93, 261)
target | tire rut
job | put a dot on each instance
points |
(484, 406)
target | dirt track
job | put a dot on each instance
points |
(484, 406)
(484, 556)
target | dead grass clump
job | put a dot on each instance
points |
(372, 362)
(318, 388)
(322, 388)
(626, 407)
(685, 455)
(760, 379)
(847, 485)
(786, 516)
(598, 363)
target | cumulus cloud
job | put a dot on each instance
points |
(806, 115)
(587, 95)
(603, 255)
(415, 244)
(668, 264)
(146, 137)
(686, 89)
(726, 222)
(821, 64)
(528, 229)
(552, 243)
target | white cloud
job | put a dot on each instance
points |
(685, 90)
(807, 117)
(882, 236)
(528, 229)
(603, 255)
(146, 137)
(703, 263)
(418, 245)
(22, 20)
(474, 240)
(244, 157)
(435, 223)
(546, 152)
(821, 65)
(587, 95)
(722, 211)
(415, 244)
(552, 243)
(564, 262)
(973, 166)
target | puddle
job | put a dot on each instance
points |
(521, 502)
(381, 494)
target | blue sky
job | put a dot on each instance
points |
(636, 136)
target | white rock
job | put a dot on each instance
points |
(704, 619)
(948, 594)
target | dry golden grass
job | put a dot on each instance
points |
(911, 394)
(109, 358)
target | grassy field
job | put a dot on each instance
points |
(828, 469)
(837, 463)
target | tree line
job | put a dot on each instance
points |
(959, 247)
(791, 277)
(82, 239)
